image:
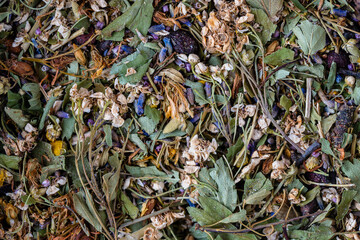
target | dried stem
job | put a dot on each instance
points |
(238, 231)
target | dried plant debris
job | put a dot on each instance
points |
(193, 119)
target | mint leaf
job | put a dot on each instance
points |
(268, 28)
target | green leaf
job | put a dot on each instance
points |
(128, 207)
(13, 100)
(172, 125)
(285, 102)
(356, 94)
(227, 194)
(110, 183)
(322, 216)
(331, 78)
(153, 113)
(139, 60)
(316, 69)
(255, 190)
(10, 161)
(68, 127)
(311, 37)
(352, 171)
(147, 124)
(268, 28)
(235, 217)
(325, 147)
(343, 208)
(327, 123)
(27, 199)
(270, 7)
(108, 137)
(152, 173)
(136, 139)
(234, 149)
(315, 232)
(17, 116)
(83, 210)
(138, 16)
(198, 89)
(310, 195)
(48, 106)
(291, 21)
(280, 56)
(35, 102)
(213, 211)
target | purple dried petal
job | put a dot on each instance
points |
(38, 31)
(46, 183)
(165, 8)
(154, 36)
(188, 67)
(62, 114)
(207, 89)
(100, 25)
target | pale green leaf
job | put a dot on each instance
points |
(17, 116)
(270, 7)
(128, 206)
(327, 123)
(310, 195)
(108, 137)
(280, 56)
(198, 89)
(152, 173)
(285, 102)
(147, 124)
(268, 28)
(138, 16)
(10, 161)
(48, 106)
(227, 194)
(311, 37)
(331, 78)
(83, 210)
(352, 171)
(343, 207)
(325, 147)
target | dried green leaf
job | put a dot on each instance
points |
(17, 116)
(108, 136)
(48, 106)
(227, 194)
(270, 7)
(325, 147)
(280, 56)
(268, 28)
(34, 101)
(10, 161)
(147, 124)
(255, 190)
(310, 195)
(285, 102)
(315, 232)
(235, 217)
(311, 37)
(139, 61)
(331, 78)
(198, 89)
(327, 123)
(343, 208)
(152, 173)
(128, 207)
(352, 170)
(83, 210)
(138, 16)
(68, 127)
(110, 183)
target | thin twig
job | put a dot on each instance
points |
(220, 230)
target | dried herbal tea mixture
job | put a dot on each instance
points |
(179, 119)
